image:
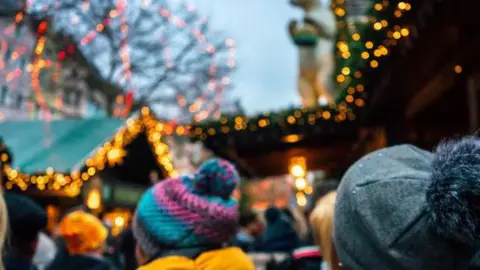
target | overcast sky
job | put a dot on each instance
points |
(266, 78)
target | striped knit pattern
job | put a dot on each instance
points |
(188, 211)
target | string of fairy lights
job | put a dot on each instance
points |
(110, 154)
(204, 106)
(359, 48)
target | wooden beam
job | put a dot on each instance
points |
(431, 92)
(443, 81)
(472, 101)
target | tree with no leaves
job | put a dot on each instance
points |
(165, 54)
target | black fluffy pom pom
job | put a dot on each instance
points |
(453, 196)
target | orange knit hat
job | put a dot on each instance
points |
(82, 232)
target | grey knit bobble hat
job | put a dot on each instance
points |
(405, 208)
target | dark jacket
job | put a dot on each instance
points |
(18, 263)
(127, 250)
(81, 262)
(280, 235)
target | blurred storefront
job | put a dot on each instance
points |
(103, 164)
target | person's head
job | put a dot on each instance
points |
(27, 219)
(190, 211)
(250, 222)
(273, 214)
(83, 233)
(405, 208)
(321, 220)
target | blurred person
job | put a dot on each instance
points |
(299, 221)
(127, 249)
(184, 223)
(62, 251)
(280, 234)
(84, 237)
(45, 252)
(250, 228)
(322, 227)
(112, 247)
(405, 208)
(27, 220)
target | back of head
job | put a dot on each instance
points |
(247, 218)
(27, 219)
(321, 220)
(273, 214)
(405, 208)
(190, 211)
(83, 233)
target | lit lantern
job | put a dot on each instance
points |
(298, 167)
(94, 200)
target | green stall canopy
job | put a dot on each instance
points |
(62, 145)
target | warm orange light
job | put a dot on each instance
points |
(298, 167)
(292, 138)
(300, 183)
(262, 123)
(340, 12)
(346, 55)
(115, 156)
(301, 199)
(291, 119)
(94, 199)
(326, 115)
(119, 221)
(349, 98)
(458, 69)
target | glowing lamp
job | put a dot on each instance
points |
(94, 199)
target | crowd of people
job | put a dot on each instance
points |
(397, 208)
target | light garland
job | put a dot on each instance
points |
(348, 76)
(369, 53)
(155, 130)
(110, 154)
(41, 62)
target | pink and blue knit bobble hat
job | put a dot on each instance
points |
(190, 211)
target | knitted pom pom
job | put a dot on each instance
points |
(454, 193)
(216, 177)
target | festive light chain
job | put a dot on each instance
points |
(344, 76)
(39, 64)
(110, 154)
(338, 112)
(155, 130)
